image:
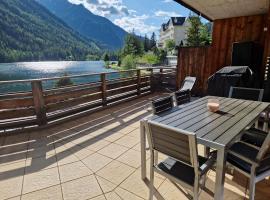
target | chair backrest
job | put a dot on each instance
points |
(188, 83)
(182, 96)
(178, 144)
(265, 149)
(162, 104)
(246, 93)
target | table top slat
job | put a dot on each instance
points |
(208, 117)
(241, 125)
(196, 112)
(230, 120)
(180, 109)
(214, 124)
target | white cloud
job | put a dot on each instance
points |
(122, 16)
(136, 23)
(161, 13)
(104, 7)
(167, 1)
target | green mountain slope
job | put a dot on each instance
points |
(91, 26)
(28, 31)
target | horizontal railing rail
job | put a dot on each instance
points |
(42, 106)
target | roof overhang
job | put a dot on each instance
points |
(221, 9)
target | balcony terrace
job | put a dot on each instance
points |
(94, 157)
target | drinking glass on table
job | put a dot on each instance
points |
(213, 105)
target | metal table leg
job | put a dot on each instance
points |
(220, 174)
(143, 150)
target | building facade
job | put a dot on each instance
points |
(175, 29)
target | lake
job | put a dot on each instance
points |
(35, 70)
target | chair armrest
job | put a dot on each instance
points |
(248, 160)
(209, 163)
(251, 145)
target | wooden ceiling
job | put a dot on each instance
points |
(221, 9)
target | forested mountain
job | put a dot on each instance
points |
(28, 31)
(86, 23)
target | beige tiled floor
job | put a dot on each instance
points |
(95, 157)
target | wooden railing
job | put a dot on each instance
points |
(41, 107)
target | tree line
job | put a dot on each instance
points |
(138, 50)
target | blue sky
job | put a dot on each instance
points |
(144, 16)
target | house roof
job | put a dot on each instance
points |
(221, 9)
(176, 21)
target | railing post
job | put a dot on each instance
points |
(39, 103)
(139, 82)
(161, 75)
(152, 85)
(103, 88)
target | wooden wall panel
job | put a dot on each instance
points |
(202, 62)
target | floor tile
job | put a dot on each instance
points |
(127, 141)
(112, 196)
(105, 185)
(126, 195)
(101, 197)
(112, 136)
(113, 150)
(81, 189)
(40, 163)
(81, 152)
(96, 161)
(73, 171)
(136, 185)
(51, 193)
(11, 184)
(125, 129)
(41, 179)
(15, 198)
(66, 157)
(40, 152)
(116, 172)
(131, 158)
(135, 133)
(95, 144)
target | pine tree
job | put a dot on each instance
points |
(153, 40)
(146, 43)
(132, 46)
(193, 32)
(198, 34)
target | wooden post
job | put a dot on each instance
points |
(177, 80)
(139, 82)
(152, 80)
(160, 78)
(39, 102)
(103, 88)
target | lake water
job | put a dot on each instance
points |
(35, 70)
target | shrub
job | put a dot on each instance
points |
(149, 58)
(128, 62)
(64, 81)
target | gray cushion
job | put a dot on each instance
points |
(180, 170)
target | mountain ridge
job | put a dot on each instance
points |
(91, 26)
(30, 32)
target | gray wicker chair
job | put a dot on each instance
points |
(251, 161)
(182, 97)
(183, 164)
(162, 105)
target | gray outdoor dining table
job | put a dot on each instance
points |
(215, 130)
